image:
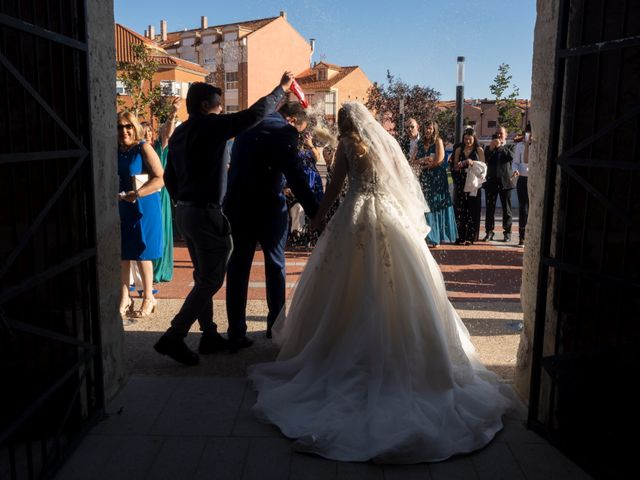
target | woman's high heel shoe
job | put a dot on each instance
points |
(147, 308)
(128, 310)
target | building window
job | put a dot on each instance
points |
(169, 88)
(230, 36)
(231, 80)
(210, 64)
(322, 74)
(120, 88)
(232, 108)
(330, 103)
(491, 124)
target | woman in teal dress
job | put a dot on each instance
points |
(140, 211)
(163, 266)
(435, 186)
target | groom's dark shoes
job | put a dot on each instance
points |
(212, 343)
(176, 349)
(236, 344)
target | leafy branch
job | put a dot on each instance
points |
(509, 115)
(135, 76)
(419, 101)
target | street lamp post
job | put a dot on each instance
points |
(460, 100)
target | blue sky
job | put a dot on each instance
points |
(418, 40)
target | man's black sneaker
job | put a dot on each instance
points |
(176, 349)
(236, 344)
(212, 343)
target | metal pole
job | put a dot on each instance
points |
(460, 100)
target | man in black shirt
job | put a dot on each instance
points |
(195, 177)
(498, 184)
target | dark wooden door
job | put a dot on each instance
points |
(586, 357)
(50, 369)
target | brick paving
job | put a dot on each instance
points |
(484, 271)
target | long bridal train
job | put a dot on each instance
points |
(375, 364)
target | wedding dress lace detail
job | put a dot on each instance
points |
(375, 363)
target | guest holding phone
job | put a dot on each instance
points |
(498, 185)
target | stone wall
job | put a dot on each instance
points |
(541, 97)
(102, 80)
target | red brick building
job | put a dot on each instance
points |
(246, 59)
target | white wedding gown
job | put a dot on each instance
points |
(375, 363)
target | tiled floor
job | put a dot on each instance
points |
(163, 427)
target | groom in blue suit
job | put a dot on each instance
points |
(256, 208)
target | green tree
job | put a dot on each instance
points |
(509, 115)
(136, 76)
(446, 119)
(161, 106)
(419, 101)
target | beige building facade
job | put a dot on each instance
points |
(482, 114)
(327, 86)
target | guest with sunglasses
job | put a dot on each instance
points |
(140, 173)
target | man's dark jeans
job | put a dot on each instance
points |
(492, 192)
(208, 236)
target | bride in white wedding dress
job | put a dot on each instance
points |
(375, 363)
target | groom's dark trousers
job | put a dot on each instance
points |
(256, 208)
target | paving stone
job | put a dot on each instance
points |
(223, 459)
(178, 458)
(88, 458)
(496, 462)
(459, 468)
(515, 431)
(127, 457)
(201, 406)
(136, 408)
(407, 472)
(359, 471)
(312, 467)
(544, 462)
(268, 459)
(246, 424)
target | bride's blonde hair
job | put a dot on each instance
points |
(347, 129)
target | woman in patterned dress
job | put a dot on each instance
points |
(435, 187)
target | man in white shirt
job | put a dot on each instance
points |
(411, 144)
(520, 167)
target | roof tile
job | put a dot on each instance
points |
(307, 79)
